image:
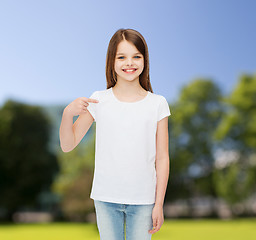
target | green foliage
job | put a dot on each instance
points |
(233, 183)
(73, 183)
(243, 97)
(202, 122)
(236, 132)
(195, 117)
(238, 128)
(27, 167)
(76, 203)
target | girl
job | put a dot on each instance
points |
(131, 154)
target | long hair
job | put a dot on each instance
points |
(139, 42)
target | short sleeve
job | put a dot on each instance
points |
(163, 109)
(92, 107)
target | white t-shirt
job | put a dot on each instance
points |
(125, 147)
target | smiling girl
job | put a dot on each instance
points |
(131, 154)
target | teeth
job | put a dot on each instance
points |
(129, 70)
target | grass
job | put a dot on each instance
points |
(171, 229)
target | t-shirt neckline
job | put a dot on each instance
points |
(112, 93)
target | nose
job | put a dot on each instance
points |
(129, 61)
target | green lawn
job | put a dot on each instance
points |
(171, 229)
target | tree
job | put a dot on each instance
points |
(27, 167)
(74, 181)
(195, 117)
(237, 130)
(236, 133)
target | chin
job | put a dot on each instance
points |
(131, 79)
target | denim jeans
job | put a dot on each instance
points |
(114, 220)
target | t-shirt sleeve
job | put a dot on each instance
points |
(163, 109)
(92, 107)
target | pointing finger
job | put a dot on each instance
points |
(90, 100)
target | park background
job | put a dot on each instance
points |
(202, 60)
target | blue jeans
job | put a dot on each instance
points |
(114, 220)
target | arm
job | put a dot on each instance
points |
(162, 160)
(71, 134)
(66, 133)
(162, 173)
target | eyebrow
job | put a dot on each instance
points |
(124, 54)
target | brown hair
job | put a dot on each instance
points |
(139, 42)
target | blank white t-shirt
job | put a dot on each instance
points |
(125, 147)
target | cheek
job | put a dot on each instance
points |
(141, 67)
(117, 66)
(142, 64)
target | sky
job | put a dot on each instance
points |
(52, 52)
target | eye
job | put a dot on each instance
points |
(120, 57)
(137, 57)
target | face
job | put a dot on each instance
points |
(129, 62)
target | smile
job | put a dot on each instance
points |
(130, 70)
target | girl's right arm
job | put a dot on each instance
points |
(67, 138)
(71, 134)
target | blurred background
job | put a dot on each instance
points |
(202, 60)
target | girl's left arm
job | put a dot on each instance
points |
(162, 173)
(162, 160)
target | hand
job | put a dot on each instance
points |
(158, 218)
(79, 105)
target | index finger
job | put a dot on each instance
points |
(90, 100)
